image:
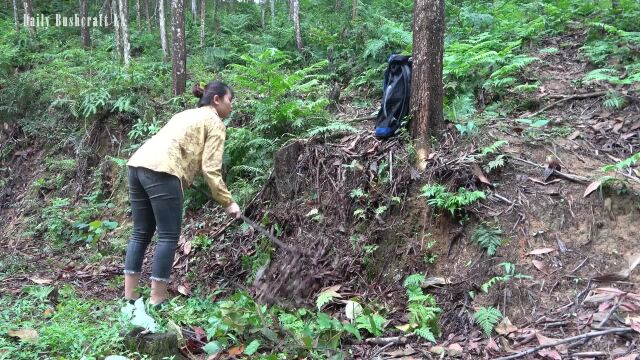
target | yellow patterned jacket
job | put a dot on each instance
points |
(192, 141)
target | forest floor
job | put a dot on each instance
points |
(577, 250)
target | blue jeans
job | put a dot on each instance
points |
(156, 202)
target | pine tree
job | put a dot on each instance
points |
(426, 81)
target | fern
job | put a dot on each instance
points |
(626, 163)
(325, 297)
(414, 280)
(488, 238)
(331, 128)
(487, 318)
(493, 147)
(614, 101)
(425, 333)
(453, 202)
(495, 163)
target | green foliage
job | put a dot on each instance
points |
(488, 238)
(624, 164)
(440, 198)
(509, 274)
(202, 242)
(423, 309)
(487, 318)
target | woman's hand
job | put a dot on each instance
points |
(233, 210)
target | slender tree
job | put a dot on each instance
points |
(28, 13)
(138, 13)
(84, 29)
(272, 3)
(426, 81)
(296, 24)
(263, 8)
(179, 52)
(163, 31)
(117, 32)
(194, 9)
(15, 15)
(354, 9)
(203, 17)
(147, 17)
(124, 28)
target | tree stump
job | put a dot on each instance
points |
(158, 345)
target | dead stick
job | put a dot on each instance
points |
(566, 98)
(575, 178)
(567, 340)
(399, 340)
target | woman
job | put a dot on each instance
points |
(192, 141)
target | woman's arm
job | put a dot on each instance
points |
(212, 165)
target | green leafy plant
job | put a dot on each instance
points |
(509, 274)
(487, 318)
(423, 309)
(488, 238)
(440, 198)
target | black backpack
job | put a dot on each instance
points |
(396, 89)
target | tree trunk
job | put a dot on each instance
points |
(337, 5)
(15, 15)
(117, 32)
(296, 24)
(615, 7)
(263, 7)
(147, 18)
(28, 15)
(124, 28)
(84, 30)
(106, 10)
(272, 3)
(291, 10)
(138, 13)
(354, 9)
(163, 31)
(426, 81)
(203, 18)
(179, 52)
(194, 9)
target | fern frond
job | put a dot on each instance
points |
(488, 238)
(414, 280)
(487, 318)
(331, 128)
(425, 333)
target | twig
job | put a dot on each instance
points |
(571, 177)
(567, 340)
(613, 309)
(398, 340)
(566, 98)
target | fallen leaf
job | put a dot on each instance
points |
(437, 350)
(333, 288)
(186, 248)
(405, 327)
(574, 135)
(540, 266)
(505, 327)
(550, 354)
(628, 357)
(435, 280)
(491, 345)
(400, 353)
(184, 289)
(236, 350)
(635, 326)
(41, 281)
(26, 335)
(478, 173)
(541, 251)
(592, 187)
(48, 311)
(454, 350)
(353, 309)
(634, 260)
(617, 127)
